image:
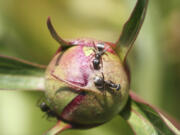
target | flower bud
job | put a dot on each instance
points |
(82, 92)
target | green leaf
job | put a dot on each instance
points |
(145, 119)
(17, 74)
(131, 29)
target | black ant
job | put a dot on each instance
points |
(100, 83)
(45, 108)
(112, 85)
(99, 51)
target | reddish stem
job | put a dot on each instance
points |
(58, 128)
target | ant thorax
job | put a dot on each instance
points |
(99, 82)
(99, 50)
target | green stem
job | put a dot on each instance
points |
(58, 128)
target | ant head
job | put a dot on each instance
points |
(44, 107)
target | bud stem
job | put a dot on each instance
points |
(58, 128)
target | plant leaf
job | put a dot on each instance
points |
(145, 119)
(17, 74)
(131, 29)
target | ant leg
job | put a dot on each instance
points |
(101, 61)
(92, 55)
(104, 51)
(95, 45)
(102, 75)
(39, 101)
(104, 92)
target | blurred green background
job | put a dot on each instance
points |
(154, 60)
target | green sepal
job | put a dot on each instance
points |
(131, 29)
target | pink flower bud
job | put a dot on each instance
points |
(83, 92)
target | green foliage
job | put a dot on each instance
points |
(16, 74)
(146, 119)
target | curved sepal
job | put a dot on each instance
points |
(144, 119)
(58, 128)
(131, 29)
(64, 44)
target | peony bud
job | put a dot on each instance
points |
(83, 92)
